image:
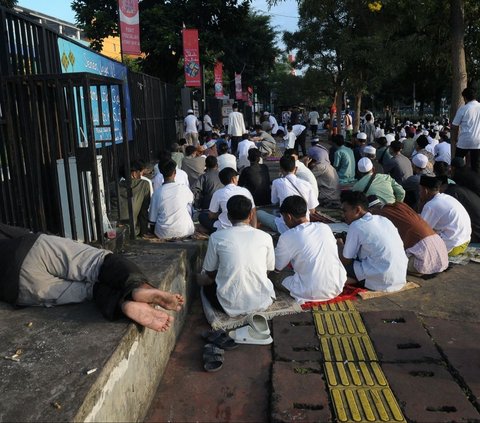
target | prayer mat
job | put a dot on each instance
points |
(283, 305)
(366, 295)
(472, 253)
(350, 292)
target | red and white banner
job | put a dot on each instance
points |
(191, 57)
(218, 73)
(250, 95)
(238, 86)
(129, 26)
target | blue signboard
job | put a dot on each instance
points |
(75, 58)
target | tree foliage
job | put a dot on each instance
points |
(8, 3)
(228, 31)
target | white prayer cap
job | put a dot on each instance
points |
(189, 111)
(365, 165)
(369, 150)
(420, 160)
(361, 136)
(390, 138)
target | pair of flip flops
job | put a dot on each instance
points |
(257, 331)
(213, 352)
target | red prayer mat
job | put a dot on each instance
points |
(350, 292)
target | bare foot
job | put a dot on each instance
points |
(147, 316)
(156, 296)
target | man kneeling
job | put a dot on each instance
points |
(46, 270)
(373, 253)
(312, 250)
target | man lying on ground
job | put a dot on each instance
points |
(373, 253)
(312, 250)
(46, 270)
(236, 264)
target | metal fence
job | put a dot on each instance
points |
(54, 175)
(51, 177)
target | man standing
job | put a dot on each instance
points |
(237, 261)
(191, 125)
(311, 249)
(313, 117)
(236, 127)
(207, 125)
(369, 128)
(367, 236)
(467, 122)
(300, 132)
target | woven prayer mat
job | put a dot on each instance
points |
(283, 305)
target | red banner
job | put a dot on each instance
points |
(218, 72)
(129, 26)
(191, 57)
(250, 95)
(238, 86)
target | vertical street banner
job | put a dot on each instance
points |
(191, 57)
(218, 73)
(129, 26)
(250, 95)
(238, 86)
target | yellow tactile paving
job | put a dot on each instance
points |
(357, 384)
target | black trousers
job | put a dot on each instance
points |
(234, 144)
(300, 142)
(474, 157)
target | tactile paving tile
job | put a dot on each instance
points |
(366, 405)
(358, 387)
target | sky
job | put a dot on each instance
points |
(284, 16)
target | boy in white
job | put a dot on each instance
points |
(312, 250)
(171, 205)
(243, 147)
(284, 187)
(217, 217)
(303, 172)
(290, 137)
(446, 215)
(236, 264)
(373, 251)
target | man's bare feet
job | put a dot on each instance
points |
(165, 299)
(147, 316)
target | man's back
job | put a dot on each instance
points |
(236, 124)
(383, 186)
(205, 187)
(291, 185)
(399, 167)
(218, 204)
(256, 179)
(227, 160)
(191, 122)
(471, 202)
(242, 256)
(194, 167)
(344, 163)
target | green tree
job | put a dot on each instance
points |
(8, 3)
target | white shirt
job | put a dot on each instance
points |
(381, 261)
(273, 124)
(443, 152)
(181, 177)
(291, 185)
(236, 125)
(313, 117)
(191, 124)
(218, 203)
(290, 139)
(242, 283)
(303, 172)
(226, 160)
(243, 147)
(312, 250)
(449, 219)
(468, 119)
(170, 209)
(298, 129)
(207, 123)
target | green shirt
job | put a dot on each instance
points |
(383, 186)
(344, 163)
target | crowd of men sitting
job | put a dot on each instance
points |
(409, 207)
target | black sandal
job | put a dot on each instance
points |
(220, 338)
(212, 358)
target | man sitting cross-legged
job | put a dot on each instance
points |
(373, 253)
(171, 206)
(46, 270)
(236, 264)
(312, 250)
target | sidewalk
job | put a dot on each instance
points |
(425, 339)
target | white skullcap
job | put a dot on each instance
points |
(365, 165)
(420, 160)
(369, 150)
(390, 138)
(189, 111)
(361, 136)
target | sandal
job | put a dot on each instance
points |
(212, 358)
(220, 338)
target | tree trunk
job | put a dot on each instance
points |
(339, 104)
(459, 67)
(358, 110)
